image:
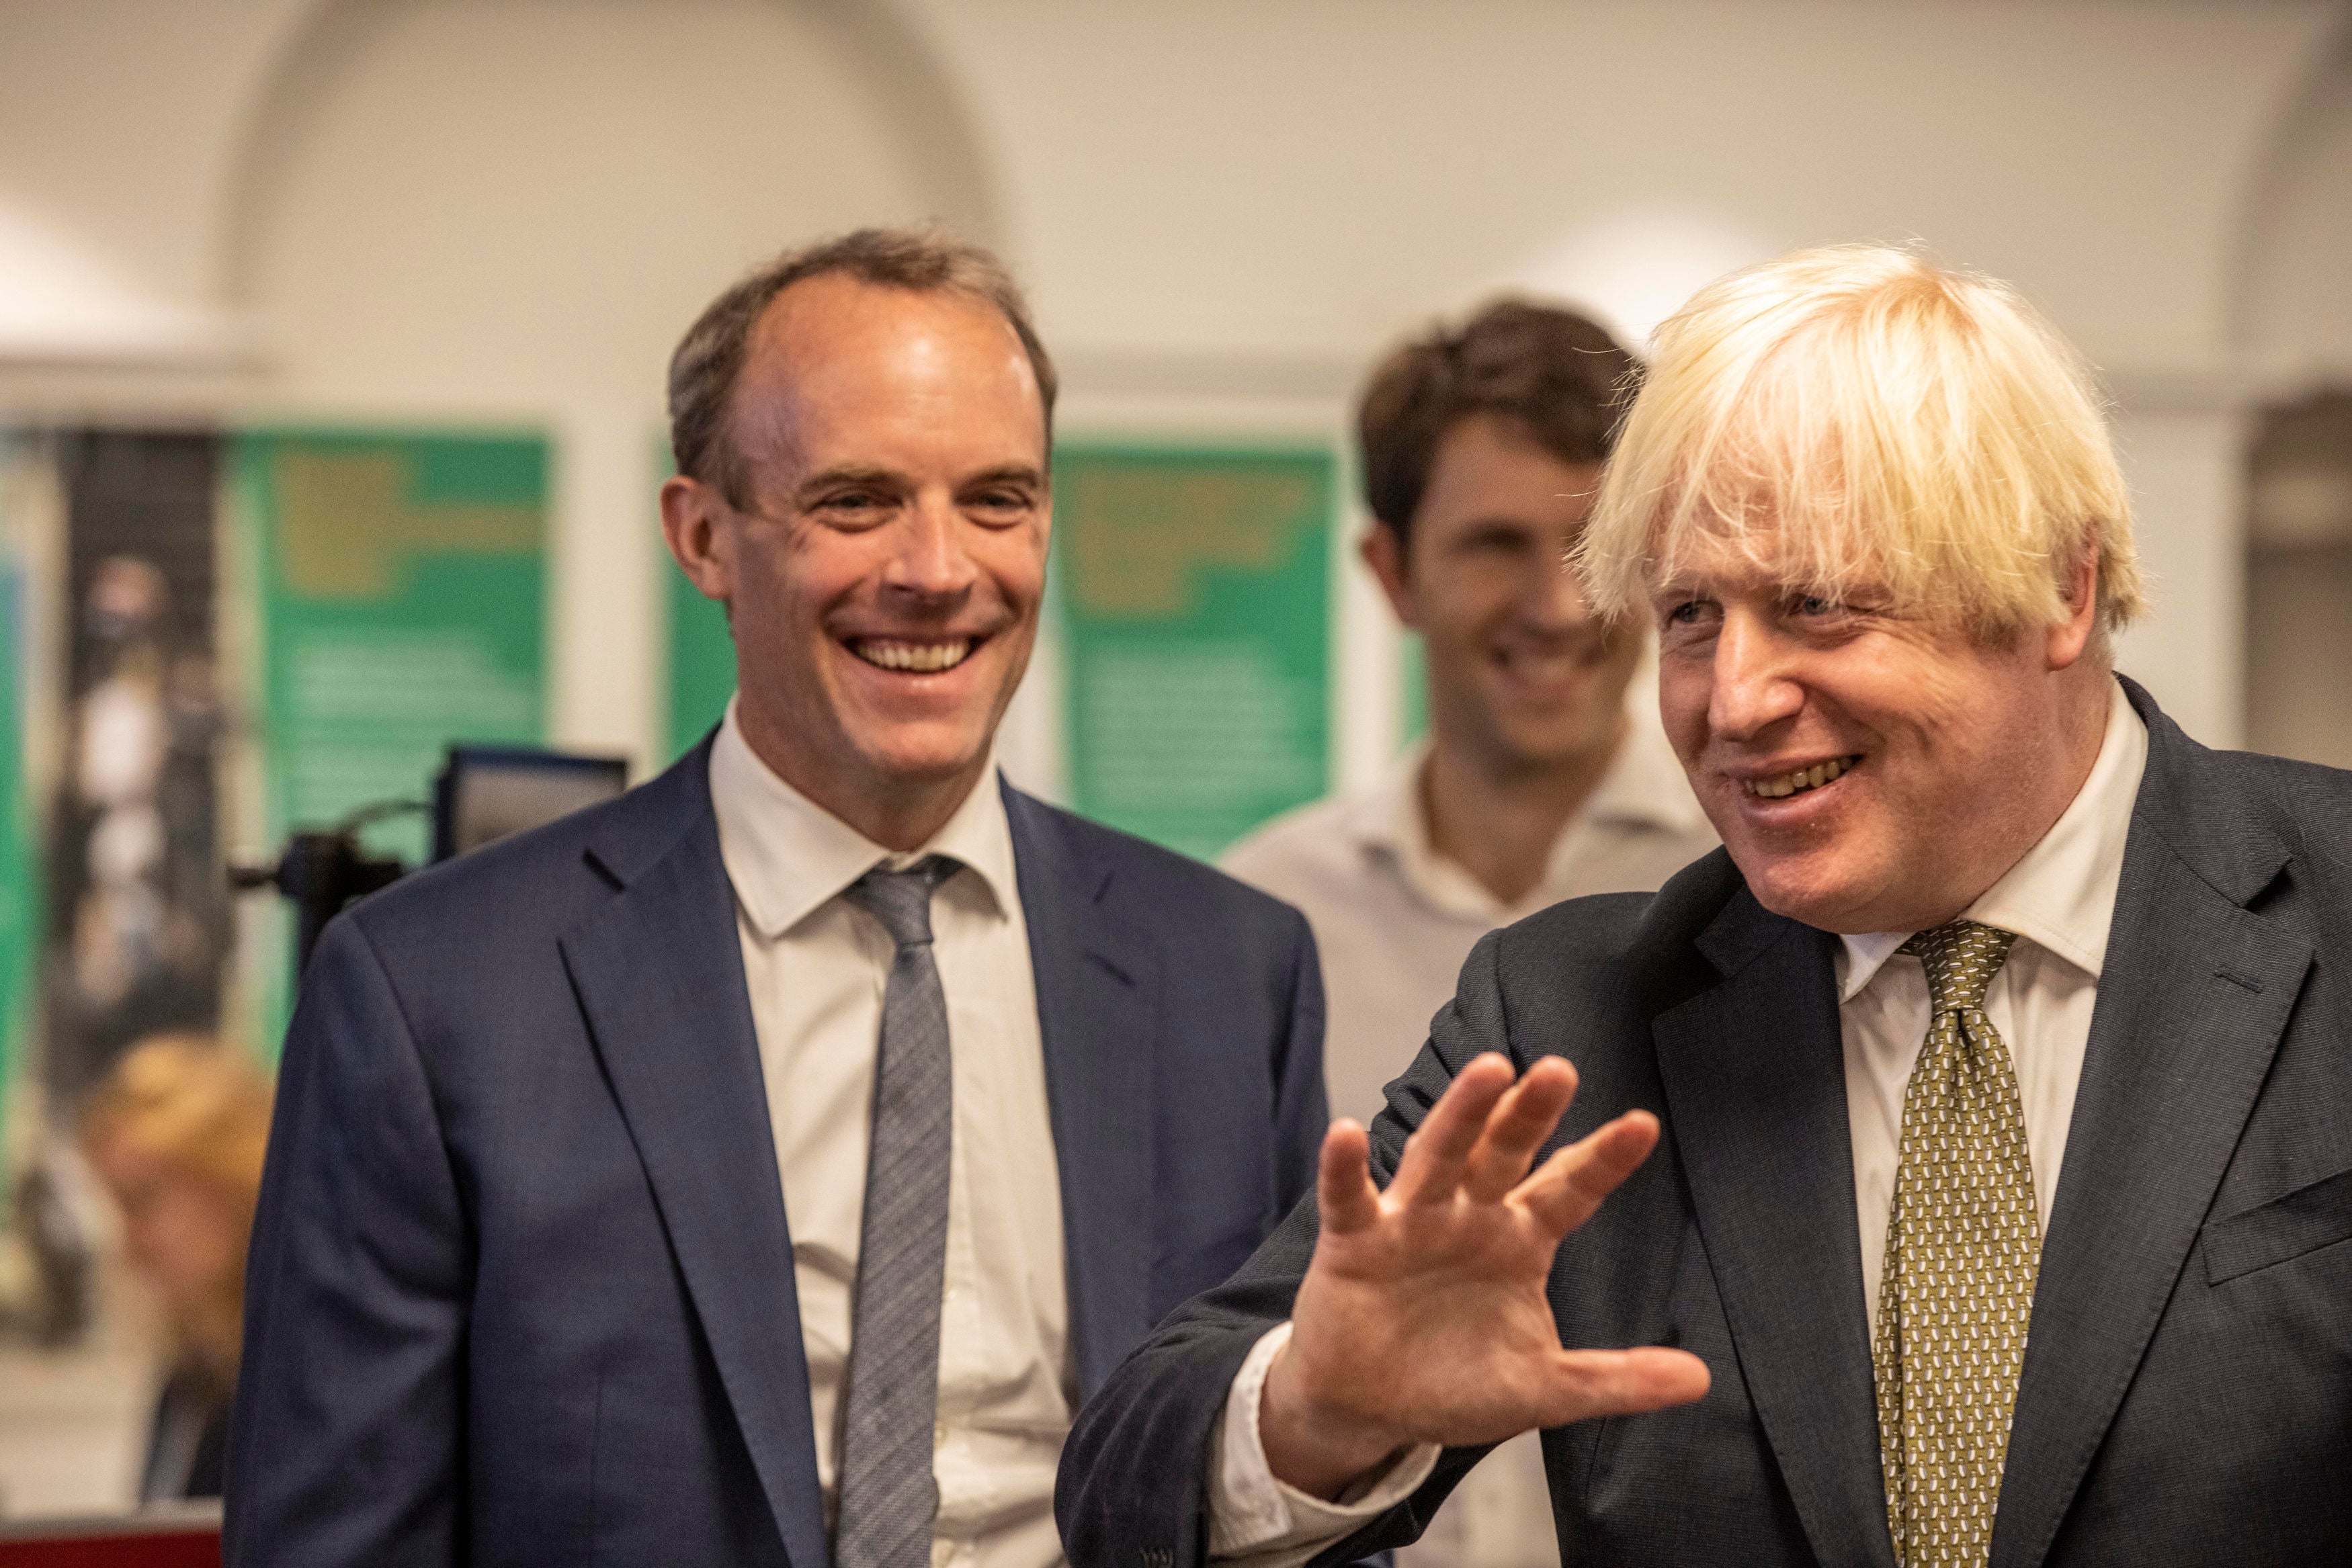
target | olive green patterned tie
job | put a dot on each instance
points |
(1963, 1240)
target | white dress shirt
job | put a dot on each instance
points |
(816, 966)
(1394, 920)
(2060, 900)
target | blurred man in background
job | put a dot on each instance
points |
(176, 1132)
(759, 1169)
(1482, 450)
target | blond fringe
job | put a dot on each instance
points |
(1858, 415)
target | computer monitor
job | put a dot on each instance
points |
(485, 792)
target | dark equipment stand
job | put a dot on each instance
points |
(319, 874)
(483, 794)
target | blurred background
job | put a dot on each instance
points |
(332, 344)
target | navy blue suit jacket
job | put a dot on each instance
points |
(521, 1283)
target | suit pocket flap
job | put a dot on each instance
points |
(2303, 1221)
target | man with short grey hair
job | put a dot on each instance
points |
(759, 1169)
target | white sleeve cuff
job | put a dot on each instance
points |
(1255, 1517)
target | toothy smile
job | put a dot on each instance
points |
(1801, 780)
(912, 658)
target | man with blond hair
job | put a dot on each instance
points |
(1994, 1069)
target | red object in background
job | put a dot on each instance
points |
(186, 1536)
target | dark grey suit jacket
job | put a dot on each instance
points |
(2187, 1394)
(522, 1281)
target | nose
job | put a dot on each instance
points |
(1554, 599)
(1753, 685)
(929, 561)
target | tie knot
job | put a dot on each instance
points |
(1961, 958)
(901, 900)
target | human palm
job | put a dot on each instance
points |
(1423, 1316)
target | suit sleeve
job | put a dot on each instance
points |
(1302, 1111)
(1134, 1482)
(346, 1442)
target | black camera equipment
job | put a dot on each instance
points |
(321, 870)
(482, 794)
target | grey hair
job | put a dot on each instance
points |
(710, 359)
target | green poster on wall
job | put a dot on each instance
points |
(702, 663)
(401, 584)
(701, 648)
(1194, 588)
(19, 902)
(1412, 699)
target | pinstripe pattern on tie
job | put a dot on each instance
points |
(888, 1497)
(1963, 1247)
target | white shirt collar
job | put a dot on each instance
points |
(787, 855)
(2062, 894)
(1644, 786)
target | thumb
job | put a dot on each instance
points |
(1589, 1383)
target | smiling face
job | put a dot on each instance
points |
(1520, 672)
(884, 574)
(1871, 770)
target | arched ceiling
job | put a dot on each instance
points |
(459, 204)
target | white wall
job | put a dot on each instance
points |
(2296, 323)
(2295, 303)
(1225, 174)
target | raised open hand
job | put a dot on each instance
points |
(1422, 1317)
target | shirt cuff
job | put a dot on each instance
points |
(1257, 1517)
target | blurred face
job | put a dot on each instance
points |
(1870, 770)
(185, 1236)
(1519, 671)
(884, 577)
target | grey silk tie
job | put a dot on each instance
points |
(1963, 1246)
(888, 1496)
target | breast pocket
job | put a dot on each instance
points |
(2281, 1231)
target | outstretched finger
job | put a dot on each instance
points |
(1344, 1194)
(1571, 1185)
(1522, 1120)
(1437, 1153)
(1589, 1383)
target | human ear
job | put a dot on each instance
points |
(690, 527)
(2068, 639)
(1384, 552)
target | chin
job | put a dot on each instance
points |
(1551, 741)
(924, 753)
(1814, 896)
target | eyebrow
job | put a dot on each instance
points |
(1009, 474)
(871, 474)
(1499, 523)
(848, 474)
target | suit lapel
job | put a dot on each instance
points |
(659, 974)
(1755, 1079)
(1097, 979)
(2193, 998)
